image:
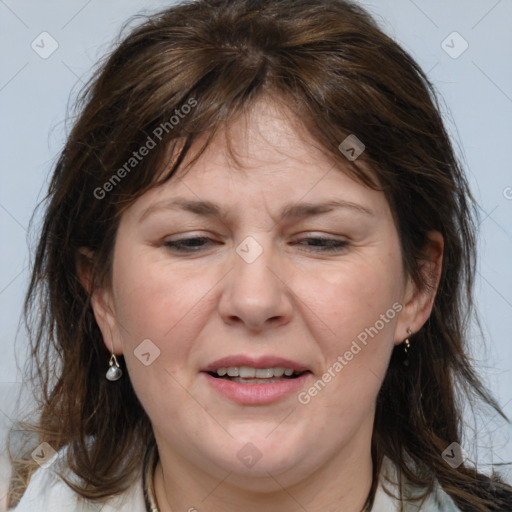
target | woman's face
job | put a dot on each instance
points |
(208, 273)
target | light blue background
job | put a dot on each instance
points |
(477, 92)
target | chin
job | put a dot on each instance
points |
(257, 464)
(268, 476)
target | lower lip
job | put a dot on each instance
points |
(257, 394)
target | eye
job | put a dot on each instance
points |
(323, 244)
(312, 244)
(194, 244)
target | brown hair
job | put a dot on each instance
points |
(341, 75)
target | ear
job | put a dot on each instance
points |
(101, 301)
(419, 300)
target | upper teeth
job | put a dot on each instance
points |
(246, 372)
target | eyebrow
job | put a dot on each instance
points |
(292, 211)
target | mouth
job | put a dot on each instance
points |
(256, 391)
(251, 375)
(256, 381)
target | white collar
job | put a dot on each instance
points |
(48, 493)
(437, 501)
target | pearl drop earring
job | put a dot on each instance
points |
(114, 372)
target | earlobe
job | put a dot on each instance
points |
(419, 297)
(98, 297)
(100, 301)
(106, 319)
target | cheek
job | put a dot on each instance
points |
(351, 297)
(153, 298)
(158, 304)
(354, 310)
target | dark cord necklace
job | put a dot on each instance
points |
(150, 462)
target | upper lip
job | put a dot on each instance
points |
(269, 361)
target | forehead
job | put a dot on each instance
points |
(265, 156)
(267, 133)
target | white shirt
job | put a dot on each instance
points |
(46, 492)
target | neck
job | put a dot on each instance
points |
(343, 483)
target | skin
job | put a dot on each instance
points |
(294, 301)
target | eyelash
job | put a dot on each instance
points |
(332, 247)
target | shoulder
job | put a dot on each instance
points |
(47, 492)
(387, 497)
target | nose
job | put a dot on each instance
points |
(256, 293)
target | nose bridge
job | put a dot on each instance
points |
(254, 294)
(252, 266)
